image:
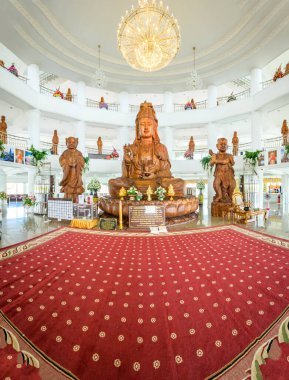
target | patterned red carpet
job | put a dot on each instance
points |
(132, 306)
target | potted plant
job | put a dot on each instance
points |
(189, 155)
(132, 192)
(2, 148)
(86, 164)
(161, 193)
(29, 202)
(3, 196)
(205, 161)
(278, 74)
(39, 156)
(201, 187)
(94, 185)
(251, 158)
(138, 197)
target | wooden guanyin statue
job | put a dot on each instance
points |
(99, 145)
(72, 163)
(3, 130)
(224, 182)
(235, 142)
(55, 142)
(146, 162)
(284, 131)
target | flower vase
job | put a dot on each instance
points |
(95, 196)
(201, 197)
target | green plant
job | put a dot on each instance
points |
(132, 191)
(94, 185)
(38, 156)
(2, 148)
(86, 164)
(201, 185)
(205, 161)
(29, 201)
(3, 195)
(287, 148)
(251, 158)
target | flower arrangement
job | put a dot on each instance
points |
(138, 196)
(38, 156)
(251, 158)
(2, 148)
(188, 106)
(132, 191)
(94, 185)
(3, 195)
(205, 161)
(160, 192)
(189, 155)
(29, 201)
(201, 185)
(114, 153)
(278, 74)
(58, 94)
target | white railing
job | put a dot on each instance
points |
(181, 107)
(273, 143)
(135, 108)
(47, 91)
(233, 97)
(102, 105)
(18, 142)
(267, 83)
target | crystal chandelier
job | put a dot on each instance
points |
(194, 82)
(148, 36)
(99, 79)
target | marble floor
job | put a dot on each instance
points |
(18, 226)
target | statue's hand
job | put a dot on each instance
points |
(213, 159)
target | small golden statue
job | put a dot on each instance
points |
(68, 95)
(149, 193)
(171, 192)
(122, 193)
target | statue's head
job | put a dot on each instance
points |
(2, 118)
(71, 143)
(102, 99)
(146, 123)
(222, 144)
(55, 131)
(235, 133)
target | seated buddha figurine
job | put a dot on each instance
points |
(146, 162)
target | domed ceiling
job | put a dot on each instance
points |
(231, 38)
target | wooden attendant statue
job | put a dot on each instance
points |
(72, 163)
(192, 145)
(55, 141)
(3, 130)
(99, 145)
(235, 142)
(284, 131)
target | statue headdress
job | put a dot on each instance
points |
(146, 110)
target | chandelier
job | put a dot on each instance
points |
(99, 79)
(194, 82)
(148, 36)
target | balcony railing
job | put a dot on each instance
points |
(273, 143)
(21, 77)
(47, 91)
(18, 142)
(199, 105)
(108, 106)
(267, 83)
(135, 108)
(239, 96)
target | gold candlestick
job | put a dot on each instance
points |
(149, 192)
(120, 215)
(122, 193)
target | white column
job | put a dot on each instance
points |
(169, 141)
(33, 122)
(80, 128)
(168, 102)
(31, 181)
(33, 77)
(3, 181)
(256, 130)
(81, 93)
(260, 196)
(256, 81)
(285, 194)
(123, 102)
(212, 96)
(124, 138)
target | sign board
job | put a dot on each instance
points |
(141, 217)
(108, 224)
(60, 208)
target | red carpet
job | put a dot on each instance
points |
(118, 306)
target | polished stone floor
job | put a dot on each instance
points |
(18, 226)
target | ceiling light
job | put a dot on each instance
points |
(99, 79)
(148, 36)
(194, 81)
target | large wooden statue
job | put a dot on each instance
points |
(99, 145)
(3, 130)
(72, 163)
(224, 182)
(146, 161)
(192, 145)
(284, 131)
(235, 142)
(55, 142)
